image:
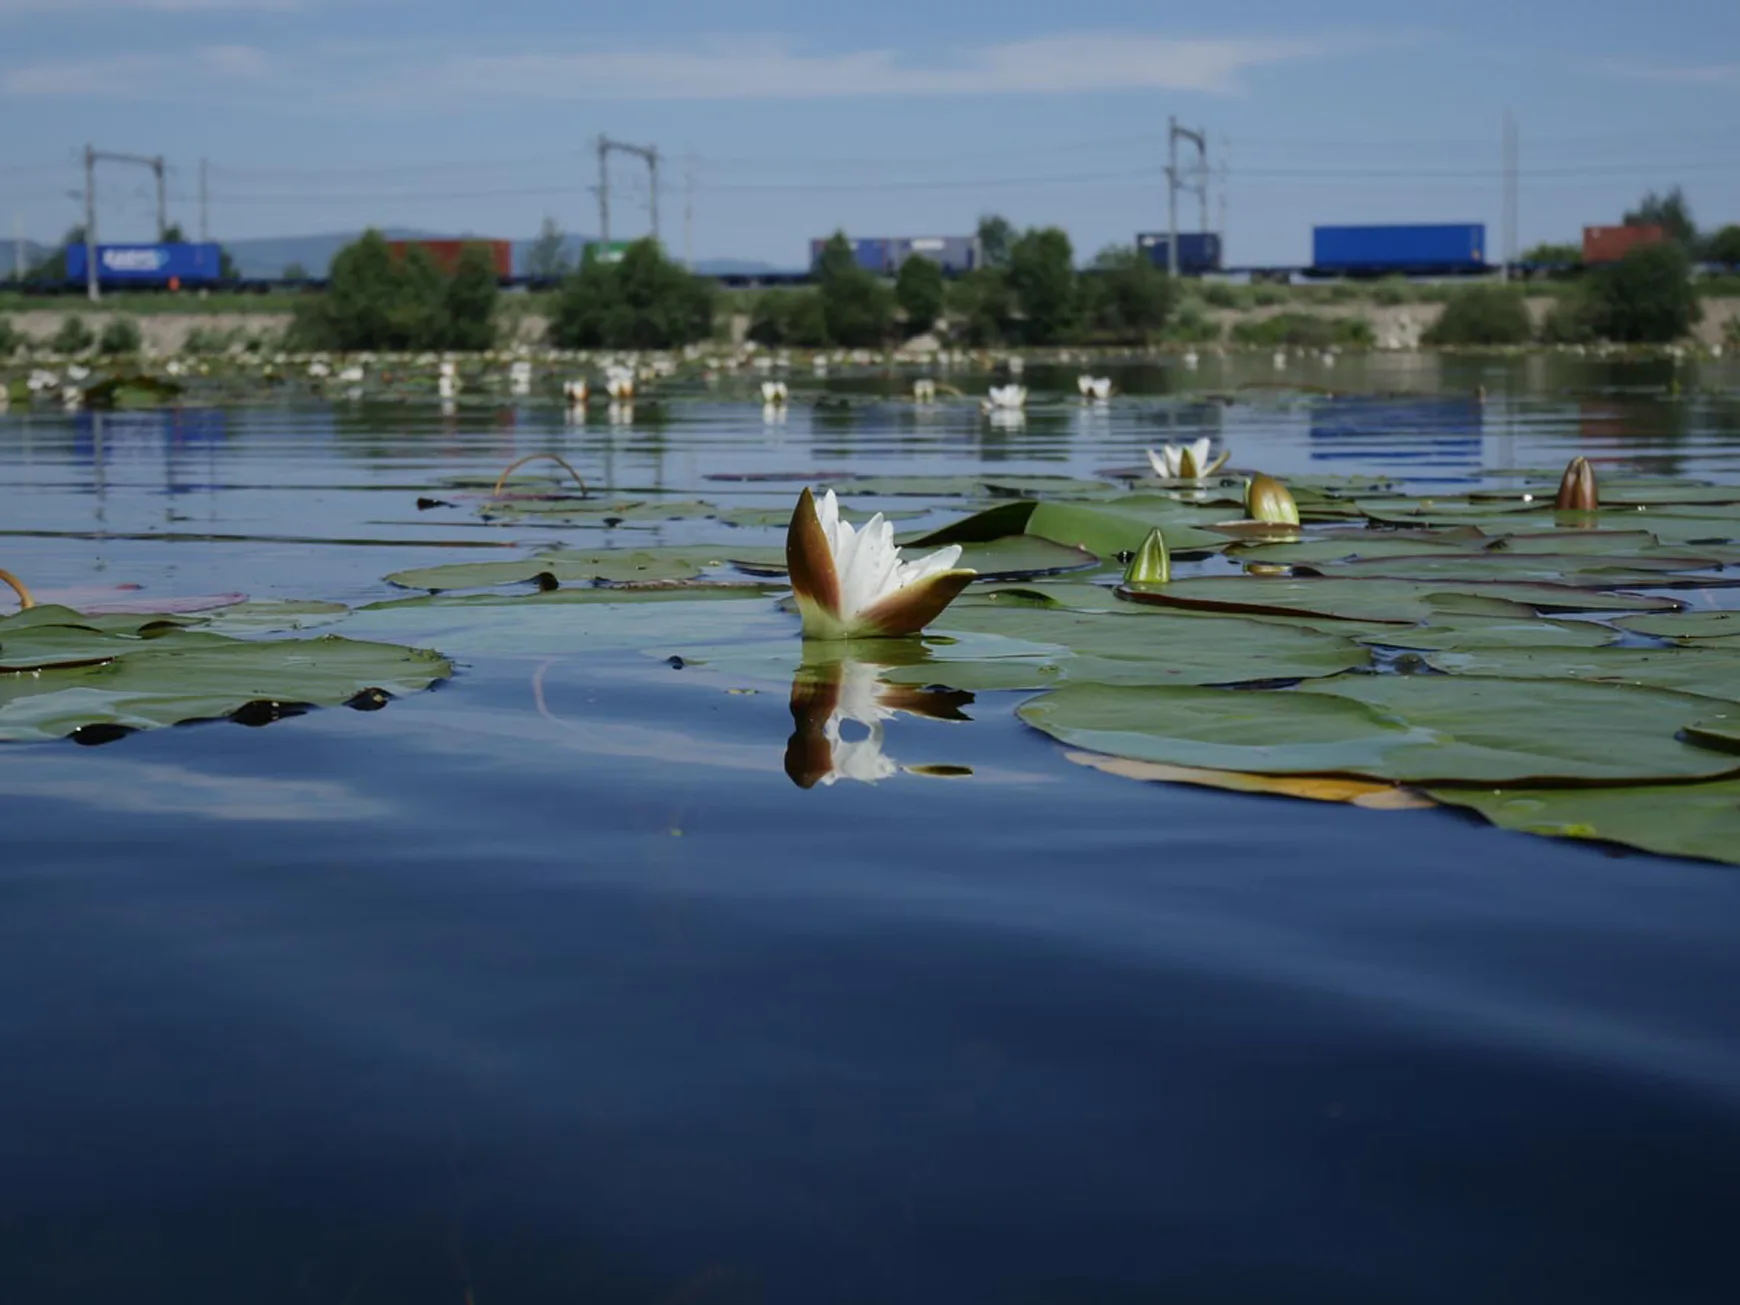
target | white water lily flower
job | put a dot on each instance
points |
(1006, 398)
(1186, 461)
(853, 584)
(575, 392)
(351, 376)
(619, 382)
(446, 385)
(924, 390)
(774, 393)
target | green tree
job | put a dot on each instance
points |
(982, 302)
(377, 301)
(11, 339)
(1130, 298)
(788, 318)
(920, 291)
(1549, 252)
(1646, 297)
(1482, 315)
(120, 335)
(1724, 246)
(642, 301)
(1042, 276)
(996, 240)
(1670, 212)
(294, 272)
(471, 295)
(857, 306)
(73, 336)
(546, 257)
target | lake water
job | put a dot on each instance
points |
(551, 985)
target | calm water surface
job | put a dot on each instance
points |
(551, 986)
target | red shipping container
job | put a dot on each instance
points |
(1610, 244)
(446, 253)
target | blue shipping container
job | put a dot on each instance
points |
(148, 264)
(954, 254)
(1442, 248)
(1198, 251)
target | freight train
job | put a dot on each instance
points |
(1409, 250)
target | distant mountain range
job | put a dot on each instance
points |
(269, 256)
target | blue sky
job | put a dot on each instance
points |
(898, 118)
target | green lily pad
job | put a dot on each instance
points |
(1583, 571)
(1713, 673)
(1690, 820)
(1435, 729)
(594, 512)
(1515, 630)
(182, 675)
(1397, 602)
(567, 566)
(1137, 647)
(1103, 530)
(1684, 625)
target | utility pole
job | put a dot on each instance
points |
(1509, 253)
(1225, 168)
(689, 214)
(91, 286)
(647, 153)
(162, 200)
(93, 156)
(17, 244)
(603, 189)
(1174, 183)
(204, 228)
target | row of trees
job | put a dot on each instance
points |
(1027, 292)
(1645, 298)
(1671, 212)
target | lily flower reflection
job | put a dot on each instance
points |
(829, 694)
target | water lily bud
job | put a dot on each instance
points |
(1577, 488)
(1267, 499)
(1152, 564)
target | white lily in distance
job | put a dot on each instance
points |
(853, 584)
(619, 382)
(575, 393)
(924, 390)
(1186, 461)
(1098, 388)
(774, 393)
(1004, 398)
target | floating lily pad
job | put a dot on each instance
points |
(1104, 530)
(1710, 672)
(1369, 794)
(566, 566)
(1583, 571)
(122, 682)
(1460, 633)
(594, 512)
(1402, 728)
(1136, 647)
(1398, 602)
(1684, 625)
(1691, 820)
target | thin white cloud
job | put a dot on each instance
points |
(138, 76)
(21, 8)
(1705, 74)
(771, 69)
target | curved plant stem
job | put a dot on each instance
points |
(25, 601)
(517, 463)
